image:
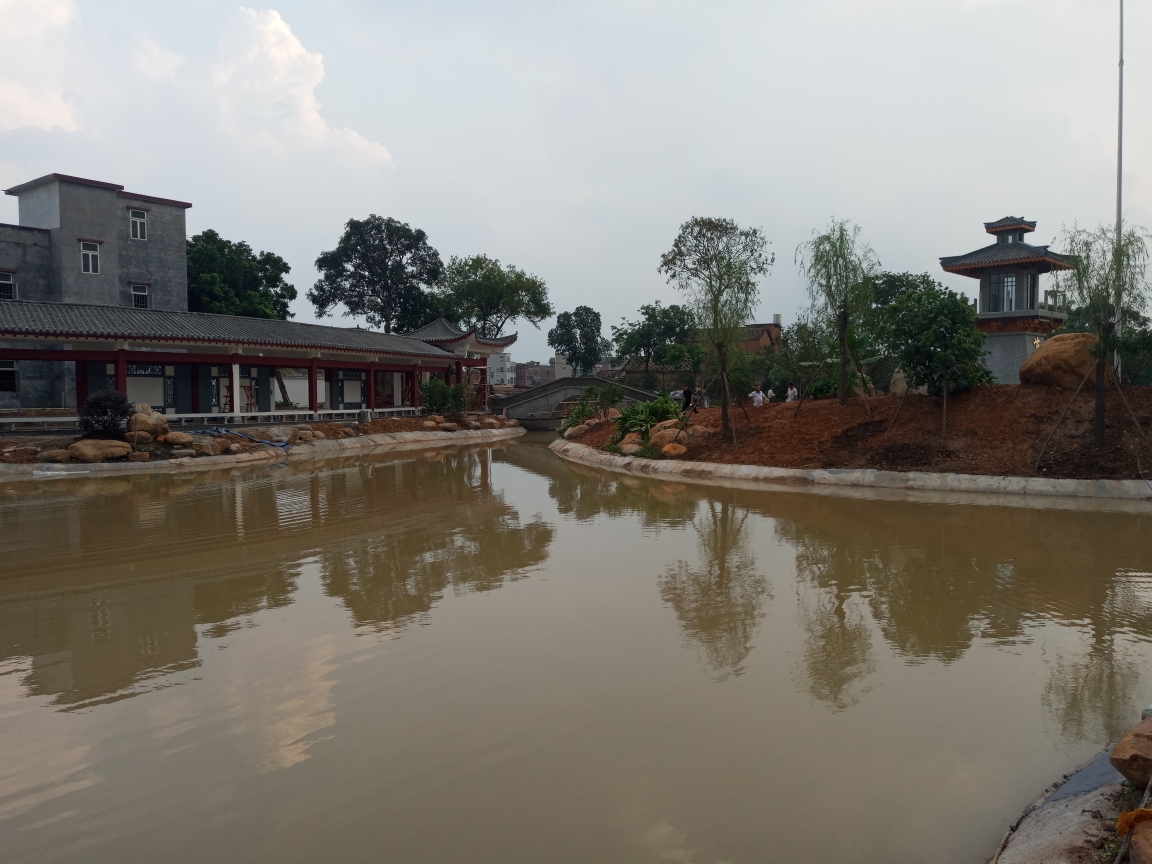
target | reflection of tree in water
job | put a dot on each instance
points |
(719, 602)
(455, 532)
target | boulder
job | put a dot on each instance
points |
(429, 424)
(436, 419)
(53, 456)
(511, 421)
(141, 408)
(665, 424)
(613, 413)
(472, 424)
(448, 427)
(1132, 755)
(98, 450)
(1061, 361)
(574, 432)
(673, 450)
(183, 453)
(302, 435)
(632, 438)
(234, 447)
(667, 436)
(1140, 849)
(631, 449)
(490, 423)
(154, 424)
(178, 439)
(137, 438)
(317, 435)
(208, 446)
(696, 431)
(143, 456)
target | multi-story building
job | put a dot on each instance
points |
(501, 370)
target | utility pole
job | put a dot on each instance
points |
(1119, 188)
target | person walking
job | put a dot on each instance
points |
(690, 401)
(757, 397)
(770, 393)
(793, 393)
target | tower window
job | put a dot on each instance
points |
(9, 379)
(90, 257)
(7, 287)
(139, 296)
(139, 220)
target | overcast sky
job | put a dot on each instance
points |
(573, 139)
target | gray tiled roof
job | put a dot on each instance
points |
(60, 320)
(442, 330)
(1005, 253)
(1009, 222)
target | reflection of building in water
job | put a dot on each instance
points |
(102, 616)
(719, 602)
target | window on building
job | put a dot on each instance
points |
(7, 287)
(139, 219)
(90, 257)
(9, 381)
(139, 296)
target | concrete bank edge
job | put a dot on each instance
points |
(267, 456)
(1130, 490)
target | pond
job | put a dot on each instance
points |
(491, 655)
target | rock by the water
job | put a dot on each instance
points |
(613, 413)
(305, 435)
(472, 424)
(141, 408)
(1140, 849)
(574, 432)
(664, 424)
(673, 450)
(448, 427)
(632, 438)
(137, 438)
(511, 421)
(632, 448)
(1132, 755)
(178, 439)
(429, 424)
(490, 423)
(234, 447)
(208, 446)
(436, 419)
(143, 456)
(1062, 361)
(183, 453)
(53, 456)
(667, 436)
(154, 424)
(98, 450)
(318, 435)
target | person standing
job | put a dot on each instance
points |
(793, 393)
(690, 401)
(771, 394)
(757, 397)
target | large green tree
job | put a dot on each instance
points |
(479, 292)
(658, 327)
(381, 269)
(839, 269)
(228, 278)
(716, 263)
(577, 338)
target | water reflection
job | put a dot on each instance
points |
(127, 598)
(719, 601)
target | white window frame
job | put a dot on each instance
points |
(139, 290)
(138, 224)
(8, 280)
(90, 257)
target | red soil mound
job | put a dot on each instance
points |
(991, 430)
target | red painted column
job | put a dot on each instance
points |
(313, 398)
(81, 385)
(122, 370)
(415, 387)
(459, 372)
(371, 386)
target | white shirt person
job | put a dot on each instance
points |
(757, 397)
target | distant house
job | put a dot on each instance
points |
(758, 337)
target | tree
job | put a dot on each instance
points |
(716, 263)
(1108, 274)
(105, 412)
(839, 271)
(380, 269)
(659, 326)
(576, 337)
(478, 292)
(227, 278)
(936, 341)
(688, 359)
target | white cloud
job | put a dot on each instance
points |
(35, 35)
(153, 60)
(264, 81)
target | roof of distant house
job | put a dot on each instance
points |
(71, 320)
(99, 184)
(1004, 253)
(1009, 223)
(444, 331)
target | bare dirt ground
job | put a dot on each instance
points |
(997, 429)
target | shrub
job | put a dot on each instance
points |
(642, 416)
(105, 412)
(436, 397)
(581, 412)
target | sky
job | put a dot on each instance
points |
(573, 139)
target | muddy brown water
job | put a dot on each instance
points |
(490, 655)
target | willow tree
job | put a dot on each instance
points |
(839, 270)
(1108, 274)
(716, 263)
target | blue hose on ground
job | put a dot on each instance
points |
(224, 430)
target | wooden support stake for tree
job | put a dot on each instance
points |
(728, 390)
(809, 384)
(1124, 399)
(863, 381)
(898, 407)
(944, 436)
(1061, 420)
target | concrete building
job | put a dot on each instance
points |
(561, 367)
(94, 295)
(501, 370)
(1014, 308)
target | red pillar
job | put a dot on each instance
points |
(313, 398)
(81, 385)
(371, 386)
(459, 372)
(122, 370)
(415, 386)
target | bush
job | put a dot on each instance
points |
(436, 397)
(105, 412)
(581, 412)
(642, 416)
